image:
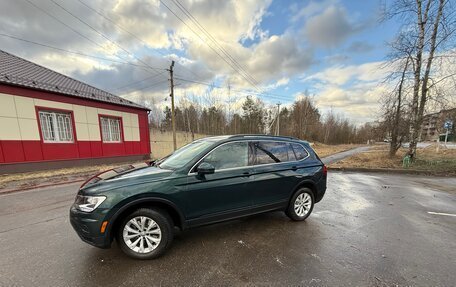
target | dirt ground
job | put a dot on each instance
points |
(428, 159)
(30, 179)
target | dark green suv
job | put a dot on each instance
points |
(207, 181)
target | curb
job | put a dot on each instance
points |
(8, 191)
(388, 170)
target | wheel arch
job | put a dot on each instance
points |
(150, 202)
(305, 183)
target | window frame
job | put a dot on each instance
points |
(296, 156)
(39, 109)
(121, 135)
(250, 142)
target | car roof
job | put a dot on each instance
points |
(252, 137)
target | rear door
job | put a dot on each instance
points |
(275, 172)
(225, 191)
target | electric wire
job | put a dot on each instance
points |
(210, 46)
(130, 33)
(73, 52)
(215, 41)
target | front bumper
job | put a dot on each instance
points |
(87, 226)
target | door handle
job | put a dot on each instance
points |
(294, 167)
(246, 174)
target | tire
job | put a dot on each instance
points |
(145, 233)
(301, 204)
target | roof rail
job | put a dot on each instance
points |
(261, 135)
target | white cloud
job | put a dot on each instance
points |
(329, 28)
(312, 8)
(353, 90)
(279, 83)
(340, 75)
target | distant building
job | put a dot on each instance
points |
(432, 125)
(50, 120)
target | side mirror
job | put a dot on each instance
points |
(205, 168)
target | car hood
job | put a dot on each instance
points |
(113, 179)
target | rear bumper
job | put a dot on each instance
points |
(88, 228)
(321, 189)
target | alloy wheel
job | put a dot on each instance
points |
(142, 234)
(302, 204)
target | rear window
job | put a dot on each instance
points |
(299, 151)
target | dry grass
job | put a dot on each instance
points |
(6, 178)
(324, 150)
(427, 159)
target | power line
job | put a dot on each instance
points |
(226, 53)
(72, 52)
(212, 48)
(128, 32)
(101, 34)
(279, 97)
(140, 81)
(107, 38)
(71, 28)
(146, 87)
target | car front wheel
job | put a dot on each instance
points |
(145, 233)
(301, 204)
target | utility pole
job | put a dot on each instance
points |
(278, 120)
(173, 120)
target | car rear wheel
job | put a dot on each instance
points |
(301, 204)
(145, 233)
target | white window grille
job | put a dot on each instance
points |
(110, 129)
(56, 126)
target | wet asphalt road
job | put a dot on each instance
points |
(369, 230)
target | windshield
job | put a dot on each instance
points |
(185, 154)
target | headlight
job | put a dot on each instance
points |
(88, 203)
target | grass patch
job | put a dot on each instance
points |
(427, 160)
(26, 176)
(324, 150)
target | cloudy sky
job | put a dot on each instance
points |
(275, 50)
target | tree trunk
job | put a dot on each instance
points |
(395, 144)
(419, 105)
(421, 20)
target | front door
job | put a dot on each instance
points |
(227, 189)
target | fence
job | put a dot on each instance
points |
(161, 142)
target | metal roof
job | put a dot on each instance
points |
(20, 72)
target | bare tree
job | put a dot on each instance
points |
(431, 24)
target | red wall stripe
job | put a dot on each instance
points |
(13, 151)
(23, 151)
(32, 150)
(2, 159)
(84, 149)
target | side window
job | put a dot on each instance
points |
(271, 152)
(229, 155)
(299, 151)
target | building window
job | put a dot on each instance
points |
(56, 126)
(110, 129)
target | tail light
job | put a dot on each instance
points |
(325, 170)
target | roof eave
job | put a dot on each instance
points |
(138, 107)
